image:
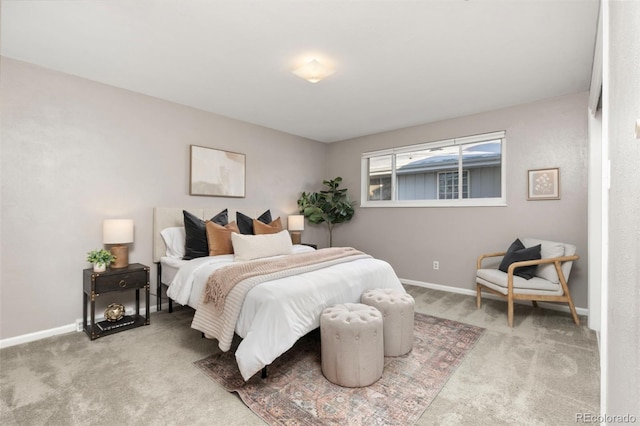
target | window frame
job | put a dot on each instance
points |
(459, 202)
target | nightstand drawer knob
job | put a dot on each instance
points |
(122, 283)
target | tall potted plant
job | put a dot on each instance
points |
(331, 206)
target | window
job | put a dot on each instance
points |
(428, 174)
(448, 185)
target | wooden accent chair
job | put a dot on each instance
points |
(549, 283)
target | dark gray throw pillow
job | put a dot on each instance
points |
(196, 244)
(245, 223)
(517, 252)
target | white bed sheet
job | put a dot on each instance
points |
(170, 266)
(277, 313)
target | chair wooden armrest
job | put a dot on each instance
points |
(485, 256)
(555, 260)
(559, 260)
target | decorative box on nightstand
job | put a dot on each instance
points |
(133, 277)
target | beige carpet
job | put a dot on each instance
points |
(296, 392)
(541, 372)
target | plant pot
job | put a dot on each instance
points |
(99, 267)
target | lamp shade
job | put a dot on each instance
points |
(117, 231)
(295, 222)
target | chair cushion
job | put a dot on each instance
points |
(517, 253)
(497, 280)
(549, 249)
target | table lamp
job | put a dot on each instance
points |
(118, 232)
(295, 224)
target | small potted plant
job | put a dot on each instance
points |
(100, 259)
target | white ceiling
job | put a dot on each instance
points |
(398, 63)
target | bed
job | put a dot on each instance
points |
(274, 314)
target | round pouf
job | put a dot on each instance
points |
(352, 344)
(397, 311)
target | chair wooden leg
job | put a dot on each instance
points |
(574, 314)
(510, 312)
(478, 296)
(565, 288)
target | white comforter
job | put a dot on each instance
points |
(277, 313)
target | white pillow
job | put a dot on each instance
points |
(549, 249)
(249, 247)
(174, 238)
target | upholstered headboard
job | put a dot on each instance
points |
(167, 217)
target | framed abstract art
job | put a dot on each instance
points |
(216, 173)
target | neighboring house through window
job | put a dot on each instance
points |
(448, 185)
(428, 174)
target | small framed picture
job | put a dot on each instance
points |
(216, 173)
(544, 184)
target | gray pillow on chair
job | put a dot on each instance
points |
(517, 252)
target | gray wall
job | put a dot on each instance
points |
(551, 133)
(75, 152)
(622, 315)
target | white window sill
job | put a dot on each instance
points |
(474, 202)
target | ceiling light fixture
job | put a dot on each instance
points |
(313, 71)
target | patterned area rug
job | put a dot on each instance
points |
(296, 393)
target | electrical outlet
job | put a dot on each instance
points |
(436, 264)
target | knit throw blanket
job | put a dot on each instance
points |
(223, 280)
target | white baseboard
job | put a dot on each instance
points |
(69, 328)
(31, 337)
(553, 306)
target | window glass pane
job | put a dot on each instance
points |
(482, 161)
(448, 185)
(417, 172)
(380, 178)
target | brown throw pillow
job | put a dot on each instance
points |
(219, 237)
(260, 228)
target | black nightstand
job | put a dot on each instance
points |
(133, 277)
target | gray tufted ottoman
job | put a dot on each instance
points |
(352, 344)
(397, 311)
